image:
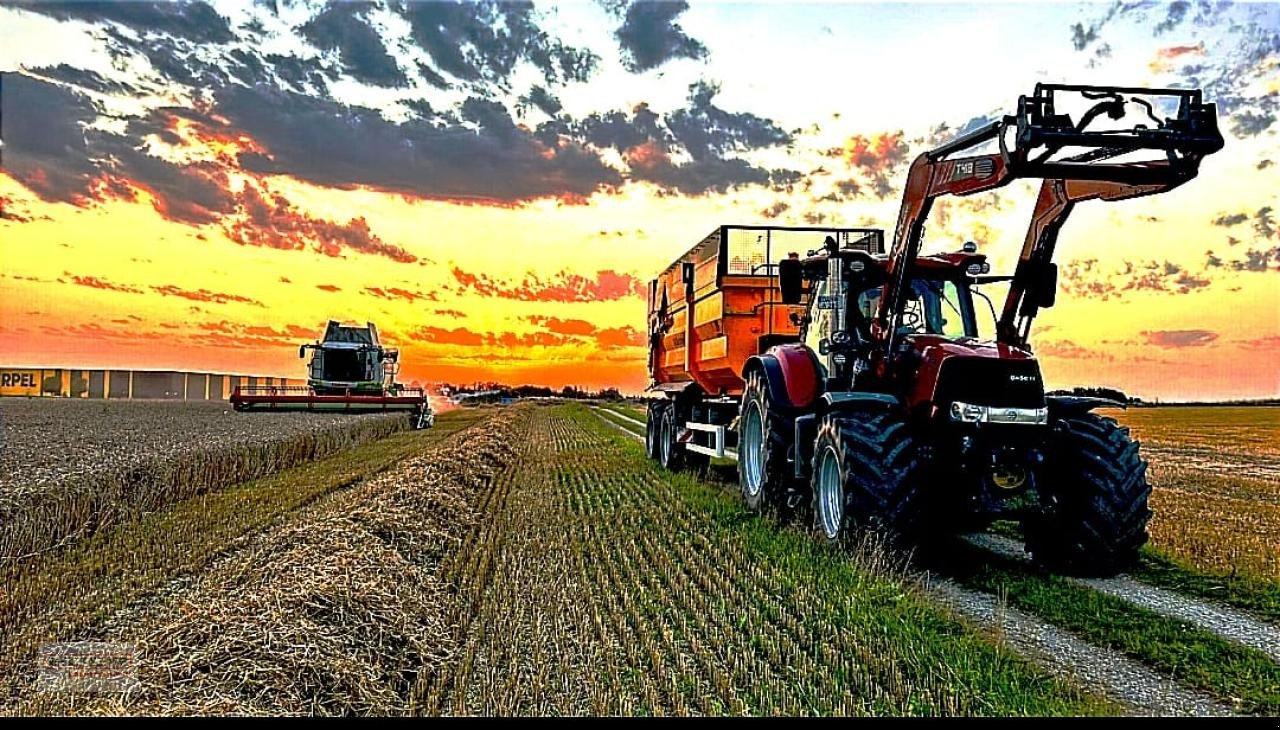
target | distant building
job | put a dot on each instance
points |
(116, 383)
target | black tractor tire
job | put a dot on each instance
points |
(764, 439)
(653, 430)
(877, 479)
(1096, 488)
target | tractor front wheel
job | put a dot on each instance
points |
(866, 473)
(1095, 492)
(764, 436)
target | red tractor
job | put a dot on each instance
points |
(889, 411)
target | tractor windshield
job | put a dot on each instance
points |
(932, 306)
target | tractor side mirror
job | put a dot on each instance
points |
(1048, 286)
(790, 280)
(302, 351)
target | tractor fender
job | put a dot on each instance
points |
(835, 402)
(1075, 405)
(790, 373)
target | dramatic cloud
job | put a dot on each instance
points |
(485, 41)
(272, 221)
(1232, 219)
(1085, 279)
(651, 144)
(650, 35)
(195, 21)
(561, 287)
(204, 295)
(775, 210)
(1070, 350)
(489, 160)
(342, 27)
(607, 338)
(97, 283)
(331, 288)
(1172, 339)
(394, 292)
(1177, 11)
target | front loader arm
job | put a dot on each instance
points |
(1040, 136)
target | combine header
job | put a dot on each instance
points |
(855, 381)
(350, 372)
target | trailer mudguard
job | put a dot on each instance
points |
(791, 373)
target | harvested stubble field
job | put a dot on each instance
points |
(531, 560)
(69, 466)
(1216, 478)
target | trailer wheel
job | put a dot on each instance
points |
(670, 454)
(866, 474)
(653, 430)
(764, 435)
(1096, 492)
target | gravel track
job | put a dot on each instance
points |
(1228, 623)
(1114, 675)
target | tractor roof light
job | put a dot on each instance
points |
(969, 247)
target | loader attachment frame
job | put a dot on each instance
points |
(1088, 171)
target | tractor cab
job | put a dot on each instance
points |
(844, 287)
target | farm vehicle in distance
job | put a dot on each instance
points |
(853, 385)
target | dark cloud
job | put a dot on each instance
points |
(702, 131)
(1085, 279)
(1250, 124)
(84, 79)
(650, 36)
(485, 41)
(339, 146)
(195, 21)
(264, 218)
(775, 210)
(539, 98)
(1233, 219)
(42, 125)
(707, 131)
(342, 27)
(1177, 12)
(1172, 339)
(1264, 223)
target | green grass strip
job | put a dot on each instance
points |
(1158, 568)
(959, 670)
(1195, 657)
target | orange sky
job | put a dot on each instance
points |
(538, 275)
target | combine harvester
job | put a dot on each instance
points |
(349, 372)
(854, 382)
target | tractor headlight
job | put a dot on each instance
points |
(970, 413)
(975, 269)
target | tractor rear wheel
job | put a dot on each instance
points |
(653, 430)
(866, 474)
(1096, 491)
(764, 435)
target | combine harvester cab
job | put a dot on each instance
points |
(857, 383)
(349, 372)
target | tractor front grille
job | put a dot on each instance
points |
(987, 381)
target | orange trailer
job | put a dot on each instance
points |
(714, 308)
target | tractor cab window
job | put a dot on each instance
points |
(932, 306)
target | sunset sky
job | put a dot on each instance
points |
(201, 186)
